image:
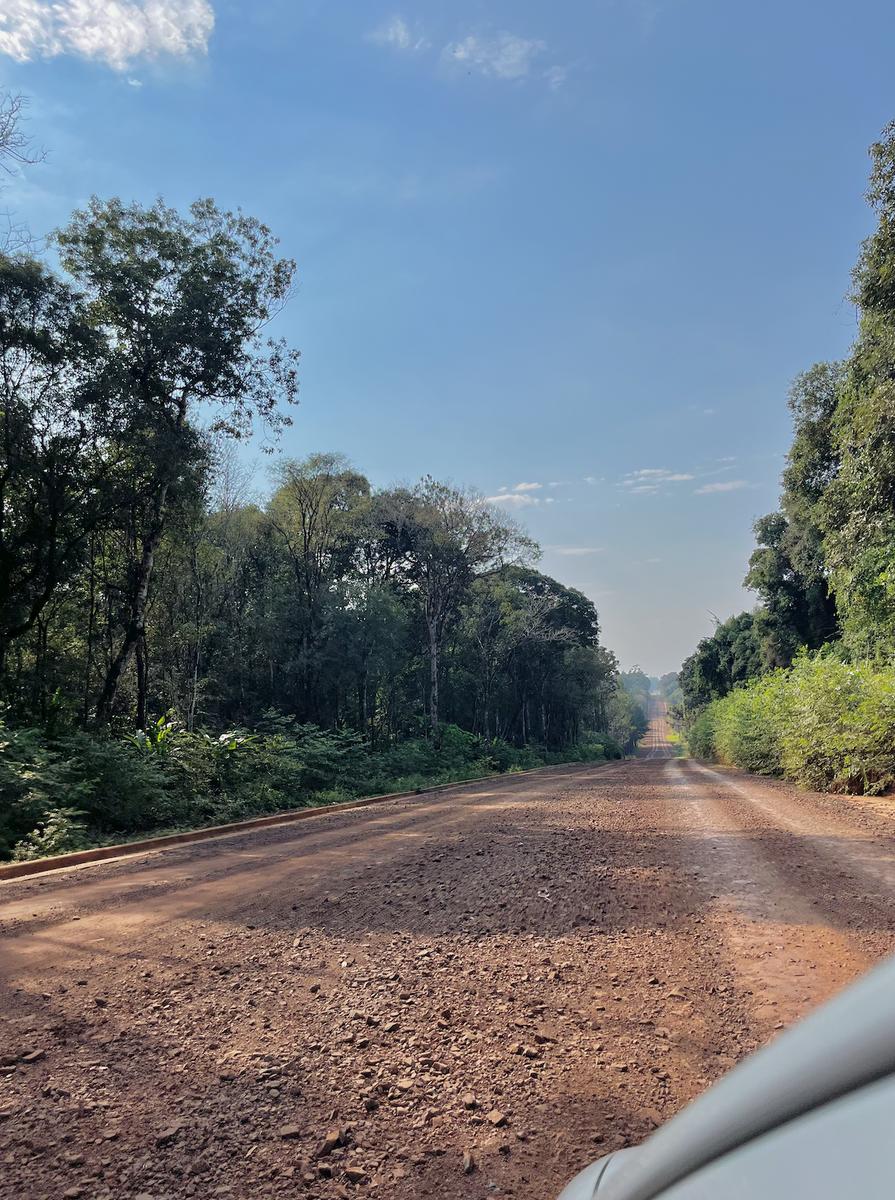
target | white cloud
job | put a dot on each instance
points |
(649, 478)
(556, 77)
(513, 499)
(504, 56)
(397, 34)
(498, 56)
(729, 485)
(575, 551)
(115, 32)
(527, 487)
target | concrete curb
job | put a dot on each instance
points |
(40, 866)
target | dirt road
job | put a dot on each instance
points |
(656, 743)
(533, 971)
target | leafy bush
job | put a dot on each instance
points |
(841, 728)
(59, 831)
(71, 789)
(25, 784)
(611, 748)
(329, 757)
(117, 788)
(701, 734)
(749, 724)
(591, 752)
(825, 724)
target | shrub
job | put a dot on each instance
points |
(118, 789)
(840, 735)
(59, 831)
(25, 784)
(329, 757)
(701, 734)
(76, 788)
(824, 723)
(611, 748)
(748, 725)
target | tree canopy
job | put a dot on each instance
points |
(824, 566)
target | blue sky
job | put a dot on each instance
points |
(569, 254)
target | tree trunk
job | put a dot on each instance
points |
(194, 691)
(142, 682)
(137, 624)
(433, 677)
(40, 669)
(91, 629)
(197, 648)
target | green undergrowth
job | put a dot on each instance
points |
(70, 790)
(825, 723)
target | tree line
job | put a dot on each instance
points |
(824, 563)
(143, 587)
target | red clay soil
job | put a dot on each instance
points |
(465, 995)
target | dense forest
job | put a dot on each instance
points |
(179, 644)
(804, 685)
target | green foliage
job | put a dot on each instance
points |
(627, 717)
(749, 724)
(841, 726)
(116, 786)
(729, 657)
(322, 758)
(701, 733)
(77, 789)
(139, 579)
(590, 751)
(824, 568)
(26, 786)
(52, 424)
(670, 688)
(59, 831)
(826, 724)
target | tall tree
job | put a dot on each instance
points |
(508, 614)
(16, 150)
(858, 505)
(447, 536)
(183, 303)
(730, 656)
(54, 485)
(316, 512)
(788, 569)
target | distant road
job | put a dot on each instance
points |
(655, 743)
(531, 971)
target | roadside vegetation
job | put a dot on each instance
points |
(181, 643)
(116, 788)
(804, 686)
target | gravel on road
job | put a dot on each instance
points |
(465, 995)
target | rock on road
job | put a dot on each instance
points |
(460, 995)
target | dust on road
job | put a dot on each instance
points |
(526, 973)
